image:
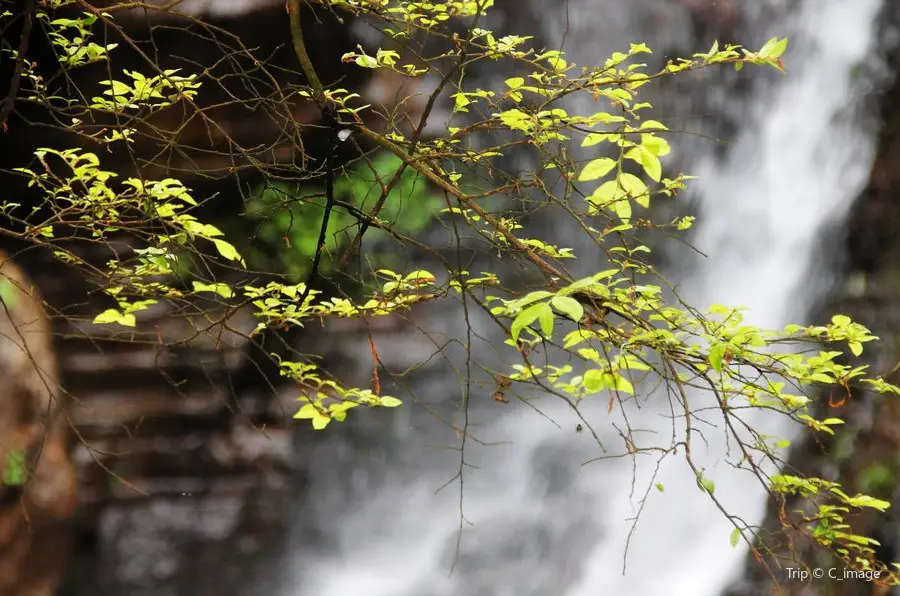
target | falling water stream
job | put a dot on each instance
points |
(535, 521)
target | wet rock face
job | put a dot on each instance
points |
(871, 231)
(38, 490)
(185, 487)
(216, 541)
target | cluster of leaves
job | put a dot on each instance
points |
(287, 223)
(153, 93)
(617, 326)
(72, 37)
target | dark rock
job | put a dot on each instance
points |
(38, 489)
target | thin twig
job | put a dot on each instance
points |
(9, 101)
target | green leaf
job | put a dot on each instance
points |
(307, 411)
(605, 194)
(628, 361)
(532, 297)
(223, 290)
(15, 472)
(649, 161)
(366, 61)
(855, 347)
(841, 320)
(597, 168)
(716, 355)
(660, 487)
(569, 307)
(111, 315)
(517, 120)
(622, 208)
(227, 250)
(460, 102)
(870, 502)
(636, 188)
(597, 137)
(655, 145)
(116, 88)
(654, 125)
(546, 319)
(735, 537)
(705, 484)
(773, 48)
(320, 422)
(593, 380)
(526, 318)
(620, 383)
(311, 412)
(389, 402)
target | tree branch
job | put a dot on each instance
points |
(293, 9)
(9, 101)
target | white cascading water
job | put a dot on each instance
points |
(537, 521)
(796, 166)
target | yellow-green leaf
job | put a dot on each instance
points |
(593, 380)
(773, 48)
(569, 307)
(223, 290)
(546, 319)
(525, 318)
(227, 250)
(620, 383)
(111, 315)
(597, 168)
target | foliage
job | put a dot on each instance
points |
(287, 219)
(617, 325)
(15, 472)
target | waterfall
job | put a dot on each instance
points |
(536, 521)
(796, 166)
